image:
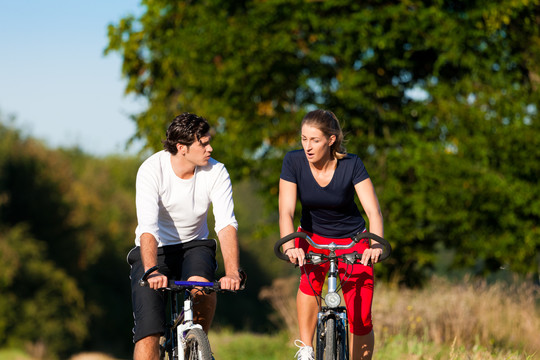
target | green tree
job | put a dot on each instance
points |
(438, 97)
(77, 213)
(101, 192)
(41, 305)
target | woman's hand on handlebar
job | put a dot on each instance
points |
(372, 254)
(296, 256)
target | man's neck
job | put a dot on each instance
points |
(181, 167)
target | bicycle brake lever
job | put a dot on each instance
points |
(314, 258)
(358, 257)
(351, 257)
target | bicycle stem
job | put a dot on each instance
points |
(332, 276)
(332, 273)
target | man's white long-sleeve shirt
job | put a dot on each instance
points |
(175, 210)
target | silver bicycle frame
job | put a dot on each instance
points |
(186, 325)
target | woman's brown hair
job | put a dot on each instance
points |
(327, 122)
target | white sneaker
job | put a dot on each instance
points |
(304, 352)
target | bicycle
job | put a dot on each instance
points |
(332, 341)
(183, 338)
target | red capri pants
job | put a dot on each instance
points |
(356, 281)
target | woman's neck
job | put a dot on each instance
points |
(326, 163)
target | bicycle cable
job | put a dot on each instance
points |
(348, 272)
(318, 296)
(343, 281)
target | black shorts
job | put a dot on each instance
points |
(177, 262)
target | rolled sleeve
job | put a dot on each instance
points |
(222, 202)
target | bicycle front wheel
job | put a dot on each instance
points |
(330, 343)
(197, 346)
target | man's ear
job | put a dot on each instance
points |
(180, 148)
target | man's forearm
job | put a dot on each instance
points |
(148, 250)
(228, 240)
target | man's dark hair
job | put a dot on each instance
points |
(185, 129)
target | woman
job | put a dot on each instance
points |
(324, 177)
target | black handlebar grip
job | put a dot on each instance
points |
(283, 240)
(243, 281)
(243, 277)
(387, 248)
(143, 281)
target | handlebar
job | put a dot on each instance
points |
(387, 248)
(181, 285)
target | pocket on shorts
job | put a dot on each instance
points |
(133, 255)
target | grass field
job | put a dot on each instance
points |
(471, 320)
(245, 346)
(234, 346)
(14, 354)
(444, 320)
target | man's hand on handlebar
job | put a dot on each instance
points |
(230, 281)
(156, 280)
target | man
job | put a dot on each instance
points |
(174, 190)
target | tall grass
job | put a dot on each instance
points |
(468, 314)
(471, 317)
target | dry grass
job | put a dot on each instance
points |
(473, 313)
(282, 296)
(463, 317)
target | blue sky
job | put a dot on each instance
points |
(55, 79)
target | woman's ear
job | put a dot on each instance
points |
(332, 140)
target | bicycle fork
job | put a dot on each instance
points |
(186, 325)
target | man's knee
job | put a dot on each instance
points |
(198, 278)
(207, 301)
(147, 348)
(204, 305)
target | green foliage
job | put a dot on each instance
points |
(68, 221)
(260, 267)
(78, 213)
(40, 302)
(439, 99)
